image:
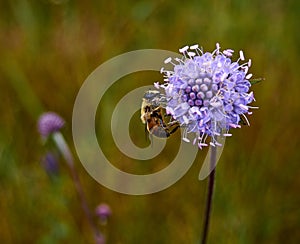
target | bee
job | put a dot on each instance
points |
(153, 115)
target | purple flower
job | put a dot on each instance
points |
(103, 211)
(49, 122)
(207, 93)
(50, 163)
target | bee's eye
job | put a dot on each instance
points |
(151, 94)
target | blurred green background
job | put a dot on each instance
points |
(47, 50)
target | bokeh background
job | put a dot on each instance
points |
(47, 50)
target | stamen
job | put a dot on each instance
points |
(248, 76)
(170, 111)
(253, 107)
(249, 62)
(191, 54)
(218, 144)
(168, 60)
(217, 50)
(194, 141)
(242, 55)
(180, 61)
(193, 47)
(186, 120)
(201, 122)
(247, 121)
(234, 125)
(184, 49)
(228, 52)
(202, 145)
(205, 137)
(242, 106)
(185, 139)
(156, 85)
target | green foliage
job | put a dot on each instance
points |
(256, 80)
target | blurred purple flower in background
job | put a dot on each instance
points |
(50, 164)
(103, 211)
(207, 93)
(49, 122)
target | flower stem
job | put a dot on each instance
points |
(211, 182)
(66, 153)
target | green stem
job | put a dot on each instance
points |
(211, 182)
(66, 153)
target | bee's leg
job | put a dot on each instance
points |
(146, 132)
(175, 128)
(173, 123)
(151, 139)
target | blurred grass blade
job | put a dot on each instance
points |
(20, 84)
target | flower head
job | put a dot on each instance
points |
(207, 93)
(49, 122)
(103, 211)
(50, 163)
